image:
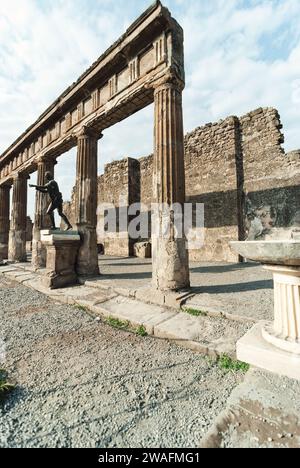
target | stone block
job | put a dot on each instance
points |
(62, 249)
(143, 250)
(254, 350)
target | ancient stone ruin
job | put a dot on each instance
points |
(145, 65)
(236, 167)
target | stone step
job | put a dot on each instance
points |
(208, 335)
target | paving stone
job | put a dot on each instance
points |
(215, 335)
(137, 313)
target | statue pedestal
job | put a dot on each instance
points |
(275, 346)
(62, 249)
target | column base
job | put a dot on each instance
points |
(284, 333)
(286, 344)
(258, 352)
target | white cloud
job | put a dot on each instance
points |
(240, 55)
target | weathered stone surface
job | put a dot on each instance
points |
(136, 313)
(86, 202)
(280, 252)
(206, 331)
(262, 412)
(119, 187)
(169, 252)
(143, 249)
(4, 221)
(62, 249)
(17, 233)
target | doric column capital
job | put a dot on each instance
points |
(89, 132)
(6, 185)
(21, 176)
(168, 80)
(46, 159)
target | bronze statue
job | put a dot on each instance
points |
(55, 195)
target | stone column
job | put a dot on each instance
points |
(17, 233)
(4, 221)
(170, 255)
(41, 219)
(86, 201)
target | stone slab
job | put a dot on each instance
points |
(262, 412)
(137, 313)
(58, 236)
(7, 269)
(213, 335)
(254, 350)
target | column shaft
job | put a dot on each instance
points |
(170, 256)
(17, 233)
(41, 219)
(86, 203)
(4, 221)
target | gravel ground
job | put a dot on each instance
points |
(81, 383)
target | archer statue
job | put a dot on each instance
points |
(52, 189)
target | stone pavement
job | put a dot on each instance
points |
(224, 301)
(262, 412)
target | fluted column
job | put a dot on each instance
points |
(170, 256)
(86, 201)
(17, 233)
(4, 221)
(284, 333)
(41, 219)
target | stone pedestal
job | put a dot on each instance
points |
(86, 202)
(284, 333)
(169, 251)
(17, 233)
(41, 219)
(4, 221)
(276, 346)
(62, 249)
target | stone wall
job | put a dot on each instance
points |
(120, 187)
(211, 178)
(236, 167)
(271, 177)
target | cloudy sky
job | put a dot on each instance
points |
(240, 55)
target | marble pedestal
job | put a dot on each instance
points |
(62, 250)
(275, 346)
